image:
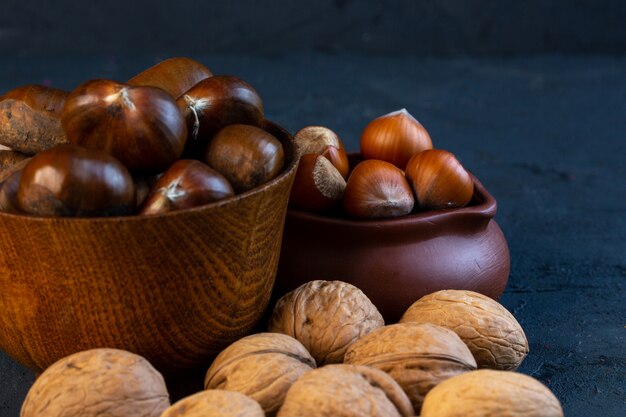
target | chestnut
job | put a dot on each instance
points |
(140, 126)
(217, 102)
(8, 193)
(174, 75)
(188, 183)
(39, 97)
(377, 189)
(439, 180)
(321, 140)
(68, 180)
(318, 185)
(246, 155)
(395, 138)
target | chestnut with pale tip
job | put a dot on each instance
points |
(318, 186)
(188, 183)
(321, 140)
(439, 180)
(174, 75)
(395, 138)
(68, 180)
(377, 189)
(141, 126)
(217, 102)
(246, 155)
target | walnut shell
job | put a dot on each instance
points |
(417, 356)
(346, 391)
(215, 403)
(262, 366)
(326, 317)
(492, 334)
(487, 393)
(98, 382)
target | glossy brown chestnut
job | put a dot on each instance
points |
(174, 75)
(8, 193)
(39, 97)
(321, 140)
(439, 180)
(217, 102)
(69, 180)
(29, 118)
(188, 183)
(395, 138)
(318, 185)
(377, 189)
(140, 126)
(246, 155)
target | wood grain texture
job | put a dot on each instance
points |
(175, 288)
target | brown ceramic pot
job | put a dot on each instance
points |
(397, 261)
(176, 288)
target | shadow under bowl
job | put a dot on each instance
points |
(175, 288)
(397, 261)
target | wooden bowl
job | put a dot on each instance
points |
(397, 261)
(175, 288)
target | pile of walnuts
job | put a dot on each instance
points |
(327, 352)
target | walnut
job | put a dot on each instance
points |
(98, 382)
(262, 366)
(488, 393)
(346, 391)
(326, 316)
(417, 356)
(215, 403)
(492, 334)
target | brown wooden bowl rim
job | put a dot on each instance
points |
(287, 170)
(482, 206)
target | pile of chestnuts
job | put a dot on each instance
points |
(173, 137)
(400, 172)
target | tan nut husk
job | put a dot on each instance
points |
(98, 382)
(488, 393)
(417, 356)
(326, 316)
(346, 391)
(262, 366)
(215, 403)
(492, 334)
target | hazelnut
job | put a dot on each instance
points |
(346, 391)
(98, 382)
(492, 334)
(262, 366)
(487, 393)
(326, 316)
(215, 403)
(417, 356)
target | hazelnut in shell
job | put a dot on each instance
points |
(377, 189)
(321, 140)
(98, 382)
(187, 183)
(416, 356)
(318, 185)
(346, 391)
(395, 138)
(326, 316)
(69, 180)
(140, 126)
(492, 334)
(262, 366)
(215, 403)
(246, 155)
(488, 393)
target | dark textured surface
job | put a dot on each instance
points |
(545, 134)
(440, 27)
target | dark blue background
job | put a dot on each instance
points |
(531, 96)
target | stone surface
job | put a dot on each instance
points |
(546, 136)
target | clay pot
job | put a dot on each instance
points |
(175, 288)
(397, 261)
